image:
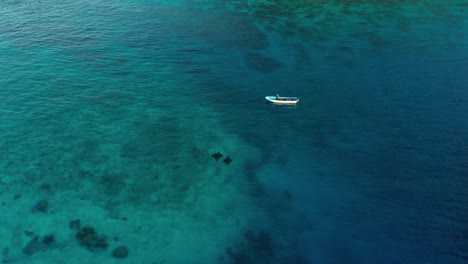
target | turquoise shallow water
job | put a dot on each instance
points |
(110, 112)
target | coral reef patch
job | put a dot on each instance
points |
(91, 240)
(36, 244)
(120, 252)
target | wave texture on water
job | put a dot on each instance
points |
(110, 113)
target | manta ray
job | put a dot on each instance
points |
(227, 160)
(217, 156)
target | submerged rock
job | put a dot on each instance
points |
(36, 244)
(89, 239)
(49, 239)
(120, 252)
(33, 246)
(28, 233)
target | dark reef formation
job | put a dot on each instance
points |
(48, 239)
(120, 252)
(42, 206)
(91, 240)
(255, 248)
(36, 244)
(74, 224)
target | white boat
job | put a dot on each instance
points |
(282, 99)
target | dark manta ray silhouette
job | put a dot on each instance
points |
(217, 156)
(227, 160)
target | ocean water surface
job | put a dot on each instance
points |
(110, 112)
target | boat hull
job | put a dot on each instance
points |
(282, 100)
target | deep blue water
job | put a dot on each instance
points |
(110, 111)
